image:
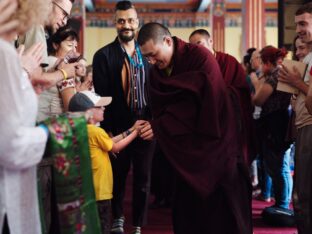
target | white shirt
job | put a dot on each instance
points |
(34, 35)
(303, 118)
(21, 146)
(50, 100)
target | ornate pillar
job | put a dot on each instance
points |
(253, 24)
(218, 24)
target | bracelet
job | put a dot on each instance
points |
(128, 132)
(64, 73)
(123, 135)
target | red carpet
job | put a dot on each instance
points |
(159, 220)
(260, 227)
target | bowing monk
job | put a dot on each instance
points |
(195, 126)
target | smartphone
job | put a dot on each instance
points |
(72, 57)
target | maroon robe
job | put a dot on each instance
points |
(194, 124)
(235, 79)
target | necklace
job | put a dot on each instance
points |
(131, 60)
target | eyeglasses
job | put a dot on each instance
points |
(65, 14)
(129, 21)
(99, 107)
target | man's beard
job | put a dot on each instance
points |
(126, 38)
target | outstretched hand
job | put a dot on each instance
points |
(138, 125)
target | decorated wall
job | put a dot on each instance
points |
(181, 17)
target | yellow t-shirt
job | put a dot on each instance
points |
(100, 144)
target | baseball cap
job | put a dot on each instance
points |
(85, 100)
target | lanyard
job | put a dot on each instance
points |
(138, 52)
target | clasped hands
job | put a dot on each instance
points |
(144, 129)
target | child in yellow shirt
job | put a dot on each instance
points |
(100, 144)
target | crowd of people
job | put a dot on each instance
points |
(153, 101)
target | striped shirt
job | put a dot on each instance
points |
(137, 92)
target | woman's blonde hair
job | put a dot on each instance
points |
(32, 12)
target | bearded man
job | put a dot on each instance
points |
(120, 71)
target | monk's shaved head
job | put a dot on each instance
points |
(155, 31)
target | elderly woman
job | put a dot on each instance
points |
(21, 143)
(61, 47)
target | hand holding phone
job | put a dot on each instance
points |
(72, 57)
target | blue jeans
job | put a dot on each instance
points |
(275, 160)
(279, 169)
(265, 179)
(266, 184)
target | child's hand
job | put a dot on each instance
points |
(138, 125)
(146, 131)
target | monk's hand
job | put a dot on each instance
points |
(292, 78)
(147, 131)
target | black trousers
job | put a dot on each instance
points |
(5, 229)
(48, 198)
(302, 195)
(162, 178)
(139, 155)
(104, 208)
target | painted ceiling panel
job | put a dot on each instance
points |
(239, 1)
(152, 1)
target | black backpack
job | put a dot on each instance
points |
(281, 217)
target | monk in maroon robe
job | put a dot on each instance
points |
(235, 80)
(194, 124)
